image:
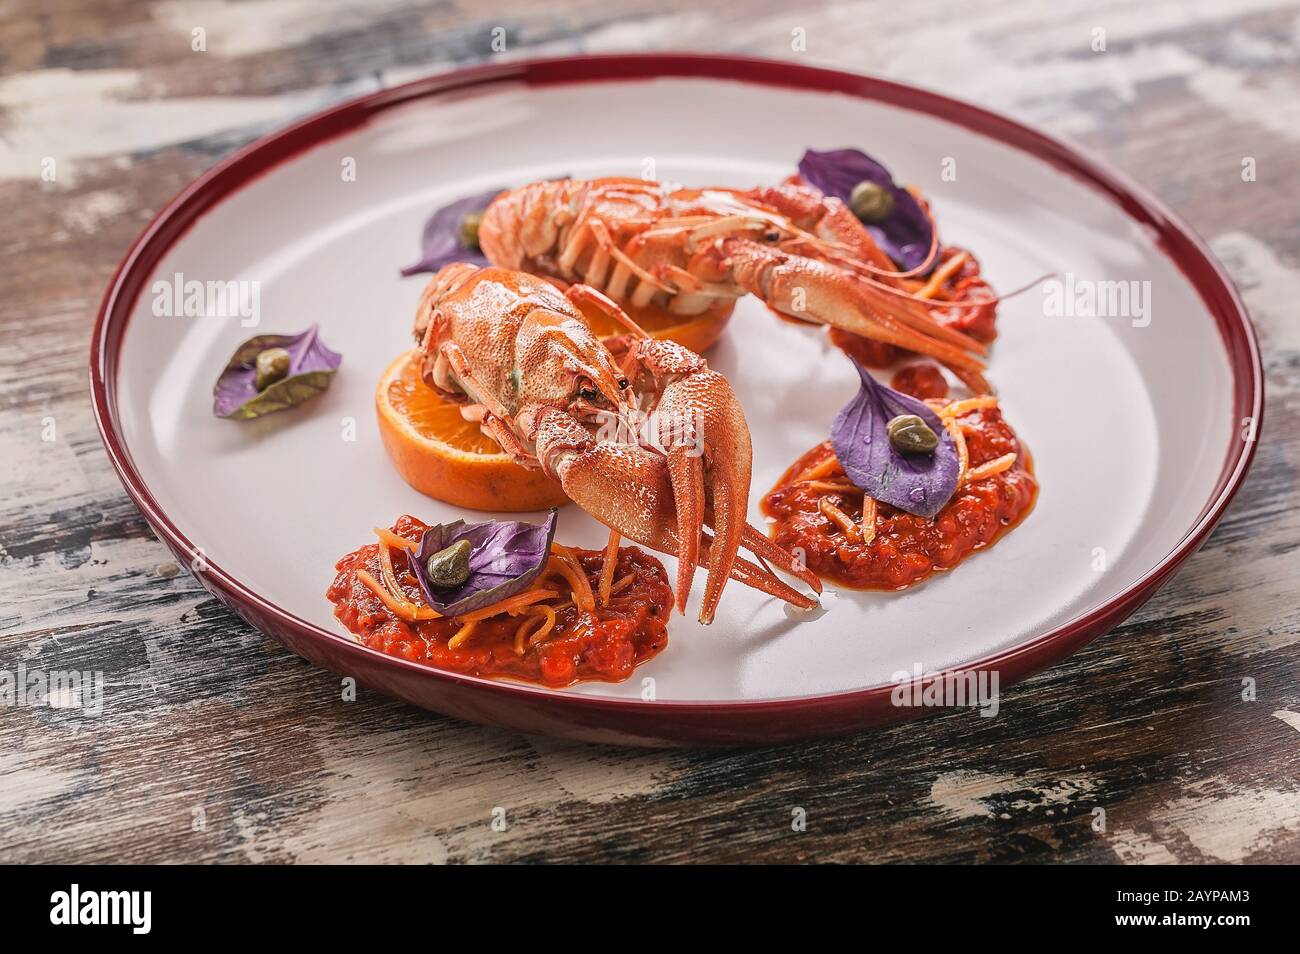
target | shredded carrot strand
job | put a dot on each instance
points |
(548, 623)
(521, 633)
(393, 540)
(506, 605)
(610, 564)
(958, 408)
(819, 470)
(389, 577)
(995, 466)
(942, 274)
(959, 441)
(400, 608)
(868, 519)
(839, 516)
(834, 486)
(462, 634)
(622, 584)
(562, 564)
(585, 597)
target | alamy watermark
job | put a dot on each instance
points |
(654, 430)
(973, 688)
(179, 297)
(133, 909)
(60, 689)
(1074, 297)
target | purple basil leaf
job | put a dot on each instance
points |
(440, 244)
(905, 234)
(506, 558)
(311, 368)
(918, 483)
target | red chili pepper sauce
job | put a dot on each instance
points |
(924, 381)
(906, 548)
(604, 645)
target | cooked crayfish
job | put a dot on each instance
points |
(520, 356)
(647, 243)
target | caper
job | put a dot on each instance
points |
(469, 230)
(272, 365)
(450, 566)
(909, 434)
(871, 202)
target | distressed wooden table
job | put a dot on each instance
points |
(1182, 726)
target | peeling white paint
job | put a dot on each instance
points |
(69, 115)
(1272, 102)
(421, 794)
(1135, 848)
(601, 775)
(1230, 822)
(244, 27)
(1290, 718)
(25, 780)
(1269, 286)
(966, 794)
(89, 211)
(994, 55)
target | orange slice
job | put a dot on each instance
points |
(441, 454)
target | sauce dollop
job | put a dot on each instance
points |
(905, 548)
(606, 644)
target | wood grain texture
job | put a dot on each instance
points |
(217, 745)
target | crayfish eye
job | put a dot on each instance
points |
(622, 384)
(771, 235)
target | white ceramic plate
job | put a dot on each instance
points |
(1133, 420)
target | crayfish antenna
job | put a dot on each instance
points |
(765, 549)
(752, 575)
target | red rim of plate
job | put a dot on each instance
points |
(603, 718)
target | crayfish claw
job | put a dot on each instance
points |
(686, 474)
(817, 291)
(631, 489)
(698, 424)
